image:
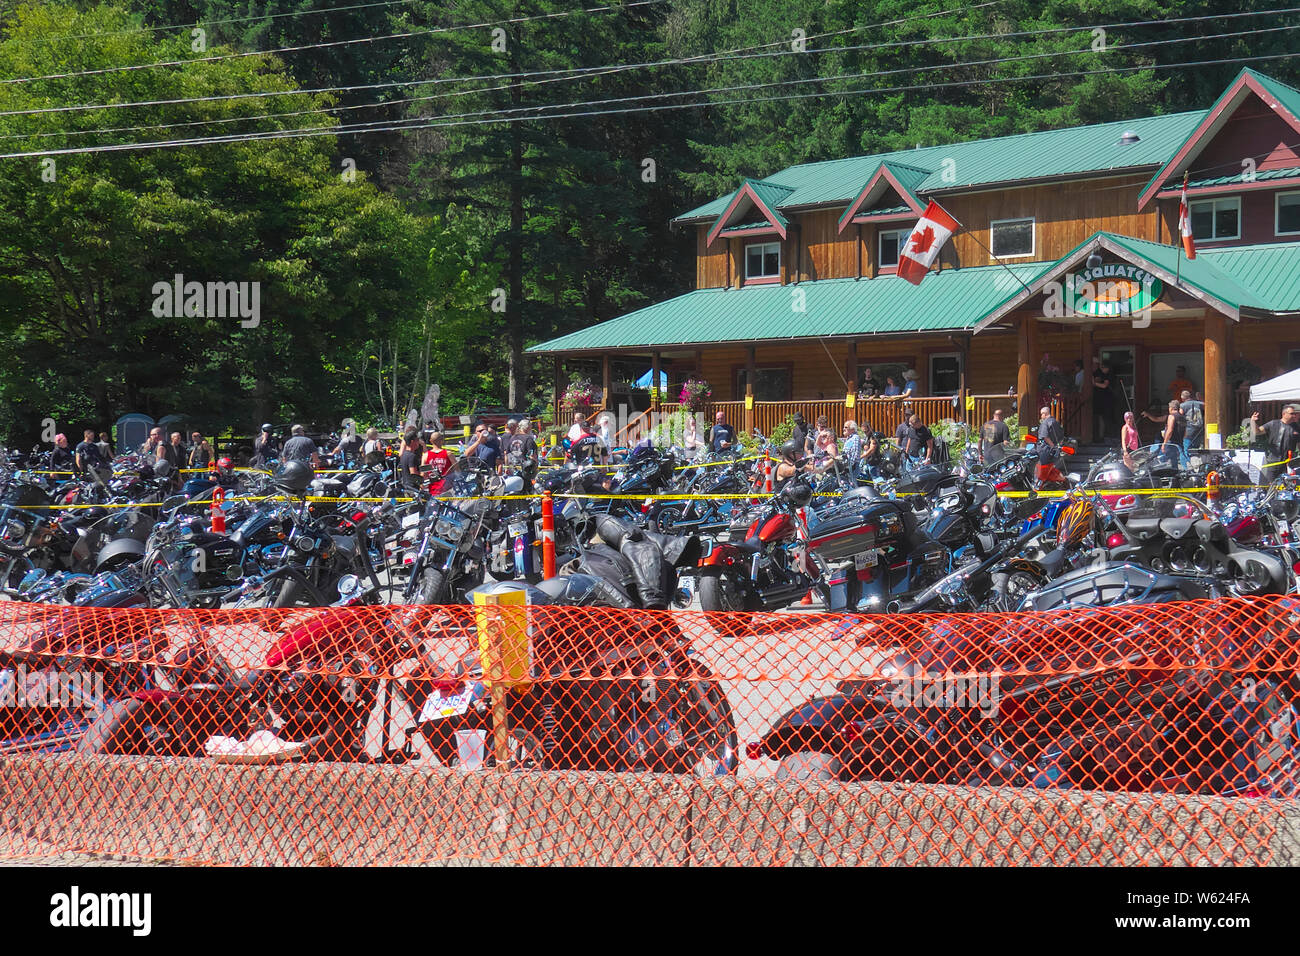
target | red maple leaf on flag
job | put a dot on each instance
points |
(923, 240)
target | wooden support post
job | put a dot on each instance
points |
(750, 371)
(605, 382)
(654, 382)
(1027, 377)
(559, 393)
(1218, 425)
(1085, 393)
(851, 366)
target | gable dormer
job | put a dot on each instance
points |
(752, 211)
(890, 193)
(1241, 164)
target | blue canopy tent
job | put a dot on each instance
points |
(645, 380)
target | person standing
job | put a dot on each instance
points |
(852, 451)
(89, 461)
(1193, 411)
(348, 450)
(173, 453)
(869, 387)
(439, 461)
(62, 458)
(909, 383)
(891, 387)
(200, 452)
(1181, 383)
(105, 448)
(150, 447)
(265, 448)
(994, 435)
(372, 451)
(1281, 437)
(408, 464)
(1050, 436)
(691, 441)
(1078, 375)
(1129, 440)
(799, 435)
(301, 448)
(1175, 431)
(486, 446)
(915, 441)
(579, 427)
(721, 436)
(519, 450)
(1103, 400)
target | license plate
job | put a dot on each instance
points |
(518, 529)
(437, 707)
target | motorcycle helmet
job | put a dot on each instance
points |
(791, 451)
(512, 485)
(293, 476)
(225, 468)
(799, 493)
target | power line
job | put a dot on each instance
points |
(491, 119)
(213, 23)
(583, 72)
(393, 125)
(325, 44)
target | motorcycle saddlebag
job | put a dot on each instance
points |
(843, 533)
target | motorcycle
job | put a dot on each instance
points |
(1134, 720)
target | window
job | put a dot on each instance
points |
(1214, 219)
(763, 260)
(1012, 237)
(1288, 214)
(945, 373)
(771, 384)
(891, 241)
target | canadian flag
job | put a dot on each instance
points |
(933, 229)
(1185, 224)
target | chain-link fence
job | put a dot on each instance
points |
(1161, 733)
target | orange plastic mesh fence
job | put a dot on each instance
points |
(1162, 733)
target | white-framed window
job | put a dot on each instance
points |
(1215, 219)
(1287, 214)
(888, 245)
(1012, 237)
(763, 260)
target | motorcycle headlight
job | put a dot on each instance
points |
(952, 590)
(449, 527)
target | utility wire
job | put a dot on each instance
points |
(492, 119)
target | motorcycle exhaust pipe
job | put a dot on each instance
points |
(894, 607)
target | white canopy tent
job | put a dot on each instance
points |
(1284, 388)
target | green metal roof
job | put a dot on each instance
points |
(887, 211)
(1045, 154)
(749, 226)
(1288, 97)
(953, 299)
(1263, 278)
(1174, 188)
(1271, 272)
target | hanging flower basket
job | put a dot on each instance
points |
(695, 393)
(579, 397)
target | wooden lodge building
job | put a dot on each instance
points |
(796, 293)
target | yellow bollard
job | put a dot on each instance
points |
(502, 623)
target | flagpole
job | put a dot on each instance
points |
(1178, 263)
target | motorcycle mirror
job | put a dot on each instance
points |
(349, 585)
(1074, 477)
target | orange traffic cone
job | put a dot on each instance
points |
(218, 516)
(807, 598)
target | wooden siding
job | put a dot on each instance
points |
(710, 264)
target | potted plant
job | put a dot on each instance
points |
(695, 393)
(579, 396)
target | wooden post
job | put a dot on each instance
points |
(1027, 377)
(558, 393)
(750, 371)
(654, 381)
(851, 366)
(1217, 411)
(605, 381)
(1085, 393)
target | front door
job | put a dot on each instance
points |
(945, 373)
(1123, 368)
